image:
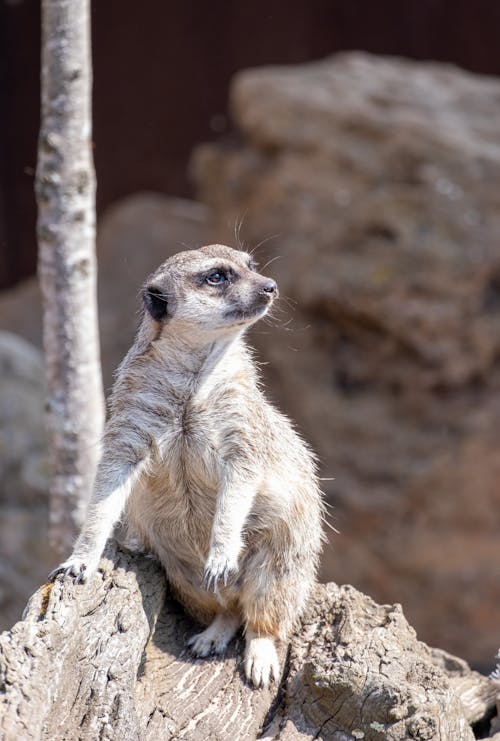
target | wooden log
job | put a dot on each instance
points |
(107, 660)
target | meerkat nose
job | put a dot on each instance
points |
(270, 287)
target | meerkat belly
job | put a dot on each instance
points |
(172, 506)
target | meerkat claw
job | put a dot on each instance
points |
(76, 569)
(261, 662)
(218, 568)
(81, 577)
(208, 579)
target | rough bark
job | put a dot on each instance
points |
(65, 187)
(107, 660)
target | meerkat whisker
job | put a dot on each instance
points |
(289, 302)
(237, 229)
(270, 262)
(263, 242)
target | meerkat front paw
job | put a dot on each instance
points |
(219, 566)
(261, 661)
(79, 569)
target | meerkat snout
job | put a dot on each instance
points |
(270, 288)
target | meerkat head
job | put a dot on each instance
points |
(213, 288)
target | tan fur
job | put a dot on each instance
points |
(213, 479)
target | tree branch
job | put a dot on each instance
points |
(65, 188)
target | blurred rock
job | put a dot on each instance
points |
(373, 181)
(22, 434)
(21, 311)
(24, 557)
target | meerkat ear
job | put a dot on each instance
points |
(155, 302)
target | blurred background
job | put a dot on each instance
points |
(367, 169)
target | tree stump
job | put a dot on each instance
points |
(107, 660)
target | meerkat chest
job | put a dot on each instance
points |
(174, 502)
(187, 468)
(192, 440)
(187, 465)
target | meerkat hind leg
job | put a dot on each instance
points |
(216, 637)
(261, 659)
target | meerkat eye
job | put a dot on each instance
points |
(216, 277)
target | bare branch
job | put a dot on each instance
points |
(65, 187)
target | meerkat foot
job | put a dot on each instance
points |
(78, 569)
(261, 660)
(216, 637)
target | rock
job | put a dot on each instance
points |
(22, 433)
(24, 557)
(371, 180)
(21, 311)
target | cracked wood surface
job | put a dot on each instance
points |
(108, 660)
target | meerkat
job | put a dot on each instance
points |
(209, 475)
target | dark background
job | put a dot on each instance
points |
(161, 75)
